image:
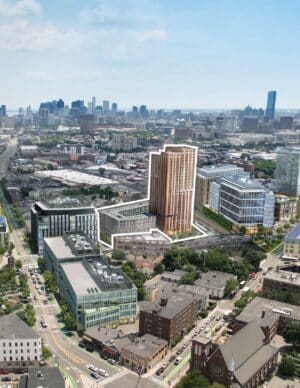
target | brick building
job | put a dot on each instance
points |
(169, 318)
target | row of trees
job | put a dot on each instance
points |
(289, 365)
(29, 315)
(137, 277)
(67, 317)
(215, 259)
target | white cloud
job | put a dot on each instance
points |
(11, 8)
(23, 35)
(156, 34)
(34, 75)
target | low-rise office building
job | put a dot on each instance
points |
(56, 217)
(144, 353)
(244, 202)
(285, 207)
(4, 233)
(285, 281)
(153, 243)
(209, 174)
(97, 294)
(19, 343)
(291, 247)
(170, 317)
(214, 282)
(125, 218)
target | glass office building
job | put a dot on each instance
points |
(287, 173)
(271, 102)
(244, 202)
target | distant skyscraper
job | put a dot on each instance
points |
(3, 112)
(172, 186)
(143, 111)
(271, 102)
(105, 106)
(287, 173)
(114, 108)
(93, 105)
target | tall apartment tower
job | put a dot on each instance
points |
(172, 187)
(287, 173)
(271, 102)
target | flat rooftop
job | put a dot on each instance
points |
(145, 346)
(214, 279)
(139, 209)
(12, 327)
(63, 203)
(154, 235)
(73, 177)
(254, 309)
(287, 277)
(71, 245)
(95, 275)
(217, 170)
(243, 183)
(177, 301)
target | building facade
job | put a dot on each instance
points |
(287, 173)
(54, 218)
(19, 343)
(153, 243)
(172, 188)
(208, 174)
(121, 142)
(285, 281)
(169, 318)
(97, 294)
(291, 247)
(130, 217)
(243, 202)
(4, 233)
(285, 207)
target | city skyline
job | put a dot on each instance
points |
(168, 55)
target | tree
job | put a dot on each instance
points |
(46, 352)
(29, 315)
(118, 255)
(189, 277)
(291, 333)
(18, 264)
(287, 366)
(231, 285)
(42, 264)
(159, 268)
(194, 379)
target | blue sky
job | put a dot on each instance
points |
(164, 53)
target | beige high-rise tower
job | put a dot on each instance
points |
(172, 187)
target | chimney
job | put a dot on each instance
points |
(163, 301)
(263, 314)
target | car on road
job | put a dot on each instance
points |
(81, 344)
(178, 361)
(201, 328)
(172, 358)
(165, 365)
(206, 330)
(4, 372)
(185, 345)
(103, 373)
(179, 351)
(6, 378)
(93, 368)
(95, 375)
(112, 361)
(159, 371)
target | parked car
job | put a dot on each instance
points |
(179, 351)
(178, 360)
(103, 373)
(4, 372)
(172, 358)
(95, 375)
(112, 361)
(93, 368)
(159, 371)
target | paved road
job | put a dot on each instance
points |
(5, 156)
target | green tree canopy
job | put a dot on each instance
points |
(287, 366)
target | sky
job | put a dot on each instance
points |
(197, 54)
